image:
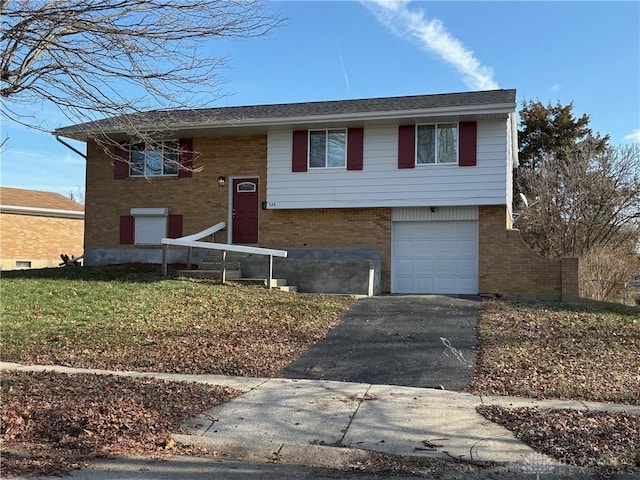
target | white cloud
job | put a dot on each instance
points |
(433, 36)
(555, 87)
(345, 74)
(634, 136)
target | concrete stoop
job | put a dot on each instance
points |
(211, 269)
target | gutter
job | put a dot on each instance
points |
(42, 212)
(70, 147)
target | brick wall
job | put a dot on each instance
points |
(38, 239)
(331, 228)
(508, 266)
(198, 198)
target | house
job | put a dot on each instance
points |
(37, 227)
(423, 180)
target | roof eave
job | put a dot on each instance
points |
(396, 115)
(42, 212)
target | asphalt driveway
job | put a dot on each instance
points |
(411, 340)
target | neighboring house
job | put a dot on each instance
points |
(37, 227)
(425, 180)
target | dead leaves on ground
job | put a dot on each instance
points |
(52, 422)
(176, 327)
(554, 351)
(605, 442)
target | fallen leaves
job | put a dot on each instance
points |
(589, 351)
(52, 422)
(602, 441)
(138, 321)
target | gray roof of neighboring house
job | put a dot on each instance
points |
(260, 114)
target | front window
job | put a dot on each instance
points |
(437, 143)
(156, 160)
(327, 148)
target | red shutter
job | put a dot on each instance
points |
(406, 146)
(174, 229)
(186, 157)
(468, 144)
(127, 225)
(120, 163)
(355, 147)
(299, 151)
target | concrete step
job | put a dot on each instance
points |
(217, 265)
(235, 276)
(216, 256)
(209, 274)
(276, 283)
(288, 288)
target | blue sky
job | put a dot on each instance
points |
(587, 53)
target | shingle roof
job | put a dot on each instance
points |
(18, 197)
(228, 115)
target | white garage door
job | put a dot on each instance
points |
(435, 257)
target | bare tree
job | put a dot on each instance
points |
(608, 274)
(96, 59)
(587, 199)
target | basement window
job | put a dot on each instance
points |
(23, 264)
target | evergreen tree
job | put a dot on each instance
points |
(550, 131)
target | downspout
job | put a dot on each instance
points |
(71, 147)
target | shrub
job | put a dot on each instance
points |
(606, 273)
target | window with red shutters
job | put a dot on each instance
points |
(120, 163)
(299, 151)
(355, 148)
(468, 143)
(174, 229)
(186, 157)
(127, 226)
(406, 146)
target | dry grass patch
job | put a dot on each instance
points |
(133, 319)
(589, 351)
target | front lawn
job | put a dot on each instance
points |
(130, 318)
(589, 351)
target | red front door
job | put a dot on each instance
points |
(245, 210)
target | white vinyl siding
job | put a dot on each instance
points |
(382, 184)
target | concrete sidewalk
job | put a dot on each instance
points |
(336, 424)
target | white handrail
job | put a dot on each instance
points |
(224, 246)
(191, 241)
(204, 233)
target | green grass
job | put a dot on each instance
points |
(131, 318)
(588, 351)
